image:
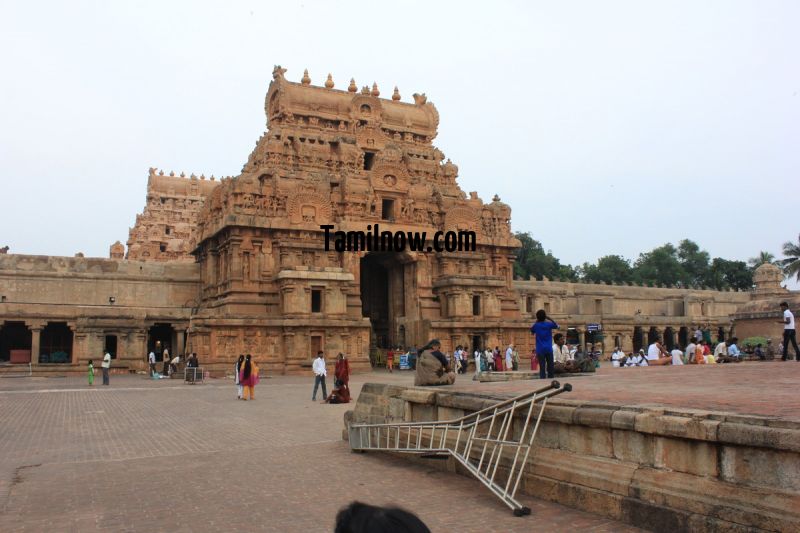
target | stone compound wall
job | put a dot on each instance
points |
(96, 298)
(657, 468)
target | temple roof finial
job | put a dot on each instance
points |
(352, 87)
(306, 80)
(396, 94)
(329, 81)
(375, 92)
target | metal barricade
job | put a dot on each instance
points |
(479, 441)
(193, 374)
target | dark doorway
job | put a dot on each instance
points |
(477, 343)
(387, 209)
(683, 337)
(572, 336)
(159, 338)
(383, 296)
(14, 336)
(721, 335)
(56, 344)
(111, 346)
(638, 339)
(669, 338)
(652, 335)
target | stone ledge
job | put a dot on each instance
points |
(659, 468)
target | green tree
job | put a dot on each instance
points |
(791, 263)
(725, 274)
(695, 262)
(532, 260)
(659, 267)
(609, 269)
(760, 259)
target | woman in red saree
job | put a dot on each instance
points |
(341, 381)
(248, 377)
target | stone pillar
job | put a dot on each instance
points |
(626, 343)
(36, 340)
(179, 348)
(582, 340)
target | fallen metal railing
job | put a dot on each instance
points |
(477, 441)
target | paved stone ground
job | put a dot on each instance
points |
(766, 388)
(146, 455)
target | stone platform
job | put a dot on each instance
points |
(712, 448)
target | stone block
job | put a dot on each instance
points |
(593, 417)
(690, 456)
(559, 413)
(624, 419)
(633, 447)
(760, 436)
(419, 396)
(448, 413)
(423, 413)
(576, 496)
(586, 441)
(760, 467)
(755, 508)
(593, 472)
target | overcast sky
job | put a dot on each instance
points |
(609, 127)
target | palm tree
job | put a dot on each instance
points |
(760, 259)
(791, 263)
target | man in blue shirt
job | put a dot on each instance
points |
(542, 329)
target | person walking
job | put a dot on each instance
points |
(106, 365)
(248, 377)
(165, 356)
(510, 357)
(498, 359)
(151, 359)
(91, 373)
(238, 368)
(477, 356)
(542, 330)
(390, 359)
(789, 333)
(320, 372)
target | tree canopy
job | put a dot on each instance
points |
(686, 265)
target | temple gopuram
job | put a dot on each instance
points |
(238, 265)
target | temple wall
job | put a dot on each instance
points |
(95, 298)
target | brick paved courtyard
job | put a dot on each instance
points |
(164, 456)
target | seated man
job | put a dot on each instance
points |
(563, 363)
(637, 359)
(759, 352)
(721, 352)
(734, 354)
(618, 357)
(677, 356)
(432, 366)
(657, 355)
(771, 351)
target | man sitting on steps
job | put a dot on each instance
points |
(433, 367)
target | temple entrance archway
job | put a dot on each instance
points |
(383, 297)
(159, 337)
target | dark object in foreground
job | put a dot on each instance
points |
(362, 518)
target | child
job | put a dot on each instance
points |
(91, 373)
